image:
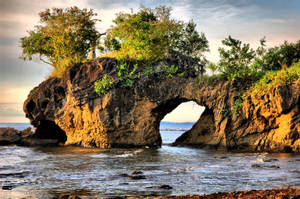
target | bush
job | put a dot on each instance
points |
(170, 71)
(287, 53)
(124, 75)
(272, 79)
(104, 85)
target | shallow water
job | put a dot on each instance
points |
(47, 172)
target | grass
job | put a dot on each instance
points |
(202, 79)
(272, 79)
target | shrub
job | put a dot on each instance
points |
(272, 79)
(104, 85)
(287, 53)
(237, 105)
(170, 71)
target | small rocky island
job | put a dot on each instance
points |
(68, 109)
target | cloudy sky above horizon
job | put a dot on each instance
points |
(248, 20)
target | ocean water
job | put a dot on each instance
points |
(34, 172)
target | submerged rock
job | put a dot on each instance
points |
(136, 177)
(137, 173)
(69, 110)
(7, 187)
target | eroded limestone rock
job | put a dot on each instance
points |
(131, 116)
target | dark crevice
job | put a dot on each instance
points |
(49, 130)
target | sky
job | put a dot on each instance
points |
(247, 20)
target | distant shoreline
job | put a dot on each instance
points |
(173, 129)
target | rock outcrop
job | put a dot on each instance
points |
(68, 109)
(11, 136)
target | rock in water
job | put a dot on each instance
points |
(68, 109)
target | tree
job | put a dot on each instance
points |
(190, 42)
(236, 62)
(64, 37)
(150, 35)
(285, 54)
(142, 36)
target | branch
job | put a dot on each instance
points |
(45, 61)
(101, 34)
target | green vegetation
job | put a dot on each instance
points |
(142, 41)
(271, 79)
(150, 35)
(237, 61)
(237, 106)
(225, 112)
(147, 37)
(204, 79)
(124, 76)
(170, 71)
(287, 53)
(64, 37)
(104, 85)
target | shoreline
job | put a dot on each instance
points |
(290, 193)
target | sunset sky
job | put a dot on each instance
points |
(247, 20)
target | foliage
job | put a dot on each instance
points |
(272, 79)
(148, 70)
(202, 79)
(63, 37)
(150, 35)
(181, 74)
(190, 42)
(124, 75)
(236, 62)
(225, 112)
(213, 67)
(237, 105)
(274, 58)
(104, 85)
(170, 71)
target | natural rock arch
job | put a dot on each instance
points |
(131, 116)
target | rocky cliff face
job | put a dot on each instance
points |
(69, 110)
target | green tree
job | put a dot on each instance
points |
(151, 35)
(236, 61)
(275, 57)
(64, 37)
(144, 35)
(190, 42)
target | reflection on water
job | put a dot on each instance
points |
(48, 172)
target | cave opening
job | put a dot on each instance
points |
(180, 118)
(49, 130)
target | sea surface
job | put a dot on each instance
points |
(33, 172)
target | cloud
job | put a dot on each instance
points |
(12, 112)
(185, 112)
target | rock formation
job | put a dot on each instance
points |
(68, 109)
(11, 136)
